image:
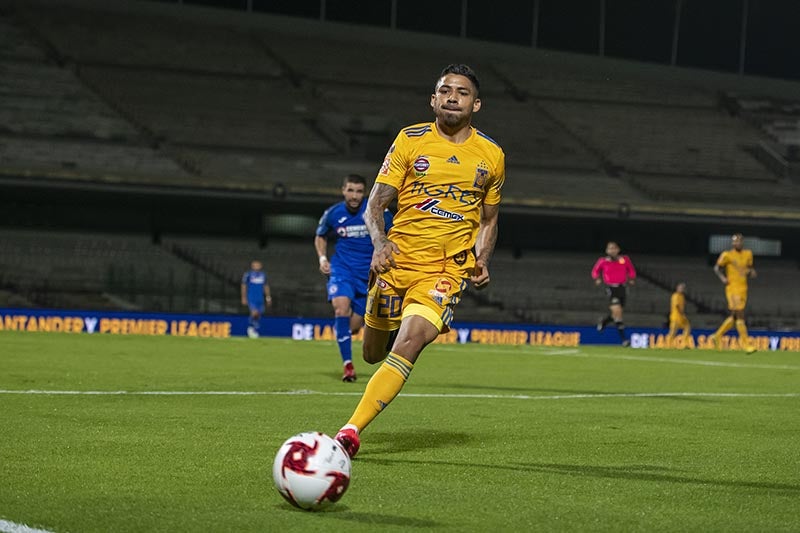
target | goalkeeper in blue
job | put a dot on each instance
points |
(348, 268)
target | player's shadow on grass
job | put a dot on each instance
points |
(381, 443)
(660, 474)
(342, 512)
(384, 519)
(653, 473)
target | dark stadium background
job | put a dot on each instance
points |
(722, 45)
(709, 31)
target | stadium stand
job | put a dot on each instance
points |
(773, 298)
(202, 274)
(703, 190)
(391, 66)
(102, 271)
(73, 158)
(14, 43)
(659, 140)
(373, 88)
(43, 99)
(211, 110)
(703, 287)
(556, 288)
(776, 293)
(95, 36)
(52, 124)
(14, 299)
(398, 106)
(248, 106)
(257, 170)
(297, 286)
(550, 79)
(534, 186)
(530, 138)
(779, 119)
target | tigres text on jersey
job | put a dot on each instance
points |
(441, 188)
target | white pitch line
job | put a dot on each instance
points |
(569, 351)
(304, 392)
(699, 362)
(13, 527)
(574, 352)
(611, 395)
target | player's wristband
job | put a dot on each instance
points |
(322, 259)
(268, 298)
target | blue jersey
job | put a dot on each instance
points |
(353, 244)
(255, 281)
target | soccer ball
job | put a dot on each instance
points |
(311, 470)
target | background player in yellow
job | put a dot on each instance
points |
(733, 268)
(677, 316)
(446, 176)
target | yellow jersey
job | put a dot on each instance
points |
(737, 265)
(677, 305)
(441, 187)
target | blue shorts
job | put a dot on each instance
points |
(351, 288)
(256, 306)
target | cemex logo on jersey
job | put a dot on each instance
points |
(356, 230)
(429, 205)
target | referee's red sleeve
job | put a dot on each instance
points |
(631, 270)
(596, 268)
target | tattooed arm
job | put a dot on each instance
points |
(379, 199)
(484, 245)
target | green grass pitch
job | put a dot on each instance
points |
(483, 438)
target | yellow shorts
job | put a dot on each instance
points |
(399, 293)
(737, 297)
(678, 322)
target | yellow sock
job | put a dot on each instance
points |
(671, 335)
(383, 386)
(744, 338)
(724, 327)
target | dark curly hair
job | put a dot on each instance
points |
(462, 70)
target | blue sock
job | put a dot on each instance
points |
(343, 337)
(253, 323)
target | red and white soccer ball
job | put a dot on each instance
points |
(311, 470)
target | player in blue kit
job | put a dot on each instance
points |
(255, 292)
(348, 268)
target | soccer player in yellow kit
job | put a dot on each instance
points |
(677, 316)
(446, 176)
(738, 267)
